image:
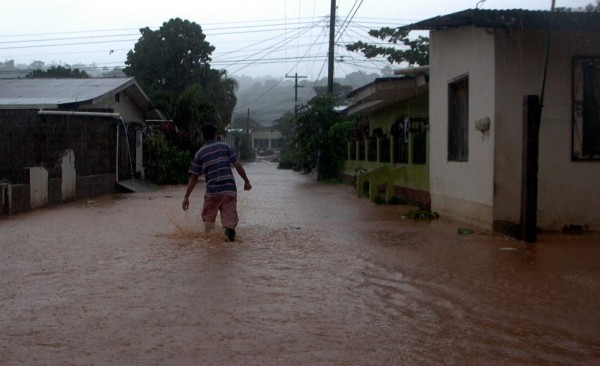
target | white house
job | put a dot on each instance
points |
(482, 65)
(266, 139)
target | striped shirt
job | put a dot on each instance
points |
(214, 160)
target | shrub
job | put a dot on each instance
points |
(164, 163)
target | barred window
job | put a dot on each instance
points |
(458, 120)
(586, 108)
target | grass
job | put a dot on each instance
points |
(421, 214)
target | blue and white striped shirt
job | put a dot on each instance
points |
(214, 160)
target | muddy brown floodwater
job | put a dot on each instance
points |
(317, 277)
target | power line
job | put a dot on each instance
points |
(258, 53)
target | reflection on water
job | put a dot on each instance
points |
(316, 276)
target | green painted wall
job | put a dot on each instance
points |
(417, 176)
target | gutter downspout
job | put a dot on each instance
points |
(76, 113)
(92, 114)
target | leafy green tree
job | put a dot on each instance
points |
(171, 58)
(172, 64)
(321, 136)
(190, 109)
(197, 105)
(59, 72)
(415, 51)
(220, 91)
(285, 124)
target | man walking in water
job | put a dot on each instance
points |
(214, 159)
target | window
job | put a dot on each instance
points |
(586, 108)
(458, 120)
(418, 128)
(400, 134)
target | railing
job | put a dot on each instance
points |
(377, 177)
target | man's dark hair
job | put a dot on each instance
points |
(208, 132)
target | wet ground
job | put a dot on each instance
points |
(317, 277)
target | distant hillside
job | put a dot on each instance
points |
(266, 99)
(10, 70)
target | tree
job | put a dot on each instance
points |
(37, 65)
(189, 111)
(220, 91)
(321, 136)
(59, 72)
(414, 51)
(285, 124)
(589, 8)
(172, 64)
(170, 59)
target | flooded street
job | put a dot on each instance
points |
(317, 277)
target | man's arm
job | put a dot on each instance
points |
(240, 169)
(190, 187)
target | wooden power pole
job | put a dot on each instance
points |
(331, 52)
(296, 86)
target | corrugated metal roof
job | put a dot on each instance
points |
(384, 91)
(512, 19)
(46, 93)
(395, 81)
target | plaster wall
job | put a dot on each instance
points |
(125, 106)
(38, 187)
(69, 176)
(567, 190)
(462, 190)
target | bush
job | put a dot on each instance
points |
(164, 163)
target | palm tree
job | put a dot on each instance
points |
(220, 91)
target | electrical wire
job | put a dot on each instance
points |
(257, 53)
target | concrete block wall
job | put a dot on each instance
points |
(72, 158)
(28, 139)
(95, 185)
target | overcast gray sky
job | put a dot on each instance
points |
(255, 38)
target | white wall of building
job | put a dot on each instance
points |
(267, 136)
(567, 190)
(503, 68)
(463, 190)
(125, 106)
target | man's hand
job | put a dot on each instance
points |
(247, 186)
(190, 187)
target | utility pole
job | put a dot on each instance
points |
(248, 122)
(331, 44)
(296, 86)
(248, 139)
(532, 119)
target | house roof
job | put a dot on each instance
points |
(512, 19)
(55, 93)
(385, 91)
